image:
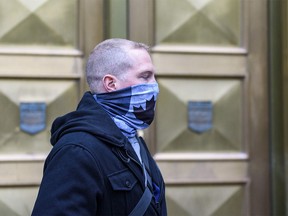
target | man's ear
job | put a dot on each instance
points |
(109, 82)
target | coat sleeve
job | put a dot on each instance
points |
(71, 184)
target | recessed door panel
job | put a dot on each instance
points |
(21, 132)
(43, 22)
(213, 124)
(17, 201)
(206, 200)
(209, 22)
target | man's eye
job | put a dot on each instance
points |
(146, 75)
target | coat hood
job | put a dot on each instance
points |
(89, 117)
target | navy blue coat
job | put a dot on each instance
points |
(92, 168)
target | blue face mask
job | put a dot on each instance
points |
(131, 108)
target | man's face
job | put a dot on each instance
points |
(142, 72)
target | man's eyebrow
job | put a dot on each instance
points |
(147, 72)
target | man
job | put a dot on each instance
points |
(98, 164)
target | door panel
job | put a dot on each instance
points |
(219, 200)
(222, 131)
(43, 46)
(32, 23)
(212, 179)
(209, 22)
(212, 79)
(58, 96)
(17, 201)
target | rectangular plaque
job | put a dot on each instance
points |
(200, 114)
(32, 117)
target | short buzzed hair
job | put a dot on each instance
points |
(110, 57)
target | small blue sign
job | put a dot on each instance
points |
(32, 117)
(200, 115)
